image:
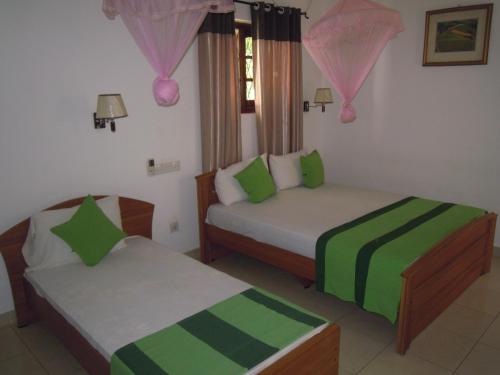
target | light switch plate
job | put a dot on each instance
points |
(174, 226)
(163, 167)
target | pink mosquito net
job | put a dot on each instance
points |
(164, 30)
(346, 43)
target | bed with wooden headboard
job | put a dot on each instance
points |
(318, 355)
(429, 285)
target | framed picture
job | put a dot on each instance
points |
(458, 36)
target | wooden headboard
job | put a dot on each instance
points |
(137, 218)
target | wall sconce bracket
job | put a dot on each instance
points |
(323, 96)
(100, 123)
(308, 106)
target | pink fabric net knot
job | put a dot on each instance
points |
(164, 30)
(348, 113)
(346, 42)
(166, 91)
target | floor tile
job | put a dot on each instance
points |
(48, 350)
(7, 319)
(495, 262)
(372, 325)
(490, 281)
(343, 371)
(79, 372)
(492, 335)
(358, 350)
(482, 299)
(55, 358)
(36, 335)
(24, 364)
(10, 345)
(390, 362)
(483, 360)
(441, 347)
(463, 320)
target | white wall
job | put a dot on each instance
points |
(56, 57)
(428, 131)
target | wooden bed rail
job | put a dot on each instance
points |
(438, 278)
(429, 286)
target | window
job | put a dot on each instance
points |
(247, 88)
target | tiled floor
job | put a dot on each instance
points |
(465, 340)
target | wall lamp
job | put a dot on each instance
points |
(109, 108)
(323, 96)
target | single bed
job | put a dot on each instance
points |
(98, 310)
(283, 231)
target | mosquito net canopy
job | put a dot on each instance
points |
(164, 30)
(346, 43)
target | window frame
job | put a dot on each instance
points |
(244, 31)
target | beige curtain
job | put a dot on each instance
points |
(219, 92)
(277, 52)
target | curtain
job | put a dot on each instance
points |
(219, 92)
(346, 43)
(277, 52)
(164, 30)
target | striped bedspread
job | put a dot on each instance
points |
(362, 261)
(230, 337)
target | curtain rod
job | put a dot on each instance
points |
(251, 4)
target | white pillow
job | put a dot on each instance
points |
(43, 249)
(286, 170)
(227, 187)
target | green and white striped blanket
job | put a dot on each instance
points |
(362, 261)
(230, 337)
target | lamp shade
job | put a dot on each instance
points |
(323, 95)
(110, 106)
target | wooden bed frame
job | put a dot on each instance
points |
(318, 355)
(430, 284)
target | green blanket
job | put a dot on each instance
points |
(362, 261)
(230, 337)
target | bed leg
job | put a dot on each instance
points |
(205, 252)
(306, 283)
(403, 339)
(489, 246)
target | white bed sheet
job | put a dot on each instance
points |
(294, 219)
(117, 301)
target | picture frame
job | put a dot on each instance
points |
(458, 36)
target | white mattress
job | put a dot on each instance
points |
(117, 301)
(294, 219)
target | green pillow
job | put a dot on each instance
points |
(256, 181)
(312, 170)
(89, 232)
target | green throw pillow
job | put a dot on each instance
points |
(312, 170)
(89, 232)
(256, 181)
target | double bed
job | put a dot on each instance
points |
(295, 218)
(284, 231)
(136, 292)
